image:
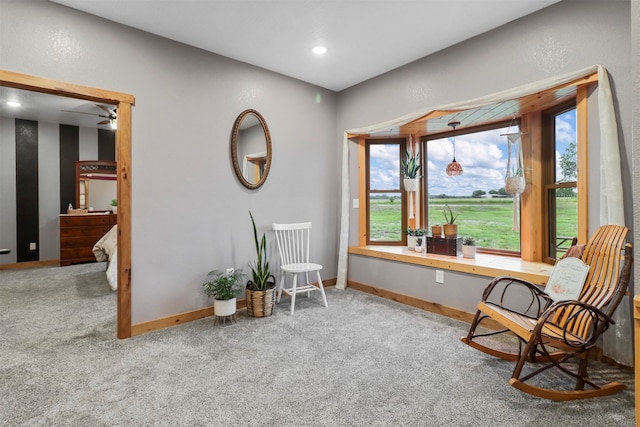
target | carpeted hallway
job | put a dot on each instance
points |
(363, 361)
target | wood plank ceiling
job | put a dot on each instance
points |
(438, 121)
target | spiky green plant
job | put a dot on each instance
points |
(260, 269)
(410, 165)
(449, 217)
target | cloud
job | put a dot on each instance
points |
(565, 128)
(384, 166)
(483, 157)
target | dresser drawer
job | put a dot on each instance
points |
(79, 242)
(83, 220)
(79, 233)
(95, 230)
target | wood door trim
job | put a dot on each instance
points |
(123, 102)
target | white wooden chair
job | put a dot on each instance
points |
(293, 245)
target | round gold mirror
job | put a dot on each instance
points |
(251, 149)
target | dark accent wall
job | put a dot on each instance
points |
(27, 213)
(106, 144)
(69, 155)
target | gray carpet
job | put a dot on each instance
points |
(363, 361)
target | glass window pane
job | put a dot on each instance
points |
(478, 195)
(566, 154)
(564, 212)
(385, 198)
(385, 217)
(384, 167)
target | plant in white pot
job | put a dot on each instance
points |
(413, 235)
(224, 288)
(468, 247)
(410, 168)
(114, 206)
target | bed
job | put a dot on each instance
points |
(106, 249)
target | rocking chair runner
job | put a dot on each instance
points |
(573, 326)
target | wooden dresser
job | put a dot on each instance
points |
(78, 234)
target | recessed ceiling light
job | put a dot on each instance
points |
(13, 104)
(319, 50)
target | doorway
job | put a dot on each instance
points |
(123, 103)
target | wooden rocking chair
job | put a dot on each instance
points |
(557, 332)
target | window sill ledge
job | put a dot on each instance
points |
(483, 264)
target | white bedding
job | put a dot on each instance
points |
(106, 249)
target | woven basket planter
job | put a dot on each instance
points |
(260, 303)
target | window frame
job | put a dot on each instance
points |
(402, 147)
(531, 214)
(424, 140)
(550, 183)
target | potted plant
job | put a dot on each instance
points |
(223, 288)
(411, 168)
(436, 230)
(412, 236)
(260, 291)
(450, 227)
(419, 247)
(468, 247)
(114, 206)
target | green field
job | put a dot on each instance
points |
(489, 220)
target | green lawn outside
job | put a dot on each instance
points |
(489, 220)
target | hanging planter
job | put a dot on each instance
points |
(410, 168)
(514, 184)
(411, 184)
(514, 180)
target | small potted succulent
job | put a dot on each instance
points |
(468, 247)
(224, 288)
(114, 206)
(419, 247)
(413, 235)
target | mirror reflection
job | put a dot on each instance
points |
(251, 149)
(96, 184)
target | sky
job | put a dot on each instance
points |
(483, 157)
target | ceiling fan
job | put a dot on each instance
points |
(110, 119)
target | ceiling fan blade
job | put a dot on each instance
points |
(81, 112)
(104, 122)
(102, 107)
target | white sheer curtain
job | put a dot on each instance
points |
(611, 200)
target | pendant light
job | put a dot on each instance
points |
(454, 168)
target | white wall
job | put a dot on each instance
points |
(48, 189)
(564, 37)
(8, 238)
(189, 212)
